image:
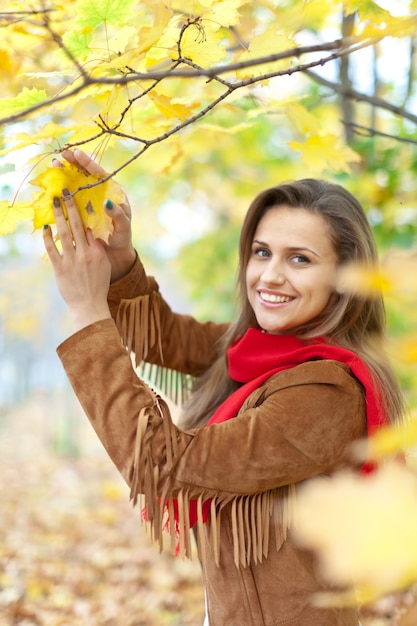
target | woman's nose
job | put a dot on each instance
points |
(273, 273)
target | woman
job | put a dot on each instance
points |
(284, 389)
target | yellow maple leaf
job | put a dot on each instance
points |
(263, 45)
(149, 35)
(90, 202)
(321, 152)
(396, 277)
(224, 12)
(12, 214)
(363, 530)
(203, 44)
(168, 107)
(393, 439)
(301, 117)
(356, 278)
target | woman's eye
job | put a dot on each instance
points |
(300, 259)
(261, 252)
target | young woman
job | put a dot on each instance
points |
(279, 396)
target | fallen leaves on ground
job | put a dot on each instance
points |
(72, 549)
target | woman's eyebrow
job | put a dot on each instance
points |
(302, 248)
(289, 248)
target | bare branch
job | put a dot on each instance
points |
(362, 97)
(348, 22)
(365, 131)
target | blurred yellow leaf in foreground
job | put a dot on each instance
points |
(363, 529)
(393, 439)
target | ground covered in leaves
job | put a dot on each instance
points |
(72, 549)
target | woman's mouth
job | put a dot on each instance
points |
(274, 298)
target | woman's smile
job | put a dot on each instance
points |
(274, 298)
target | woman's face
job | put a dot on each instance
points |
(291, 271)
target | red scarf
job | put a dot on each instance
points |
(258, 355)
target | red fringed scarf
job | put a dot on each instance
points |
(258, 355)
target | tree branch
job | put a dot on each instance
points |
(343, 47)
(362, 97)
(366, 131)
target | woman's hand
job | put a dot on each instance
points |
(82, 270)
(119, 250)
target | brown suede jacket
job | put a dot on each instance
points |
(297, 425)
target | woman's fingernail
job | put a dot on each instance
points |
(66, 193)
(45, 227)
(108, 204)
(57, 203)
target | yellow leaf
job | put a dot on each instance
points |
(224, 12)
(325, 152)
(90, 202)
(393, 439)
(363, 529)
(149, 35)
(202, 44)
(168, 107)
(396, 278)
(6, 62)
(364, 280)
(12, 214)
(268, 43)
(302, 118)
(407, 349)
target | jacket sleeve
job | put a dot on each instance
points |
(154, 333)
(300, 424)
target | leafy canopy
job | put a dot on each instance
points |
(130, 75)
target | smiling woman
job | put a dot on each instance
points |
(284, 389)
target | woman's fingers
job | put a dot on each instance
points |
(50, 246)
(70, 229)
(83, 162)
(120, 214)
(76, 230)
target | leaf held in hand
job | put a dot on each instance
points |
(90, 202)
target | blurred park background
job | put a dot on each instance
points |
(72, 550)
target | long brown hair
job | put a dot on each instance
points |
(351, 320)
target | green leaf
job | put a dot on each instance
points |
(94, 12)
(26, 99)
(77, 43)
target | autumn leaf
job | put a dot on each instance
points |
(301, 117)
(394, 439)
(26, 99)
(78, 43)
(94, 12)
(224, 12)
(168, 107)
(364, 280)
(395, 278)
(353, 524)
(269, 42)
(149, 35)
(321, 152)
(203, 44)
(90, 202)
(12, 214)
